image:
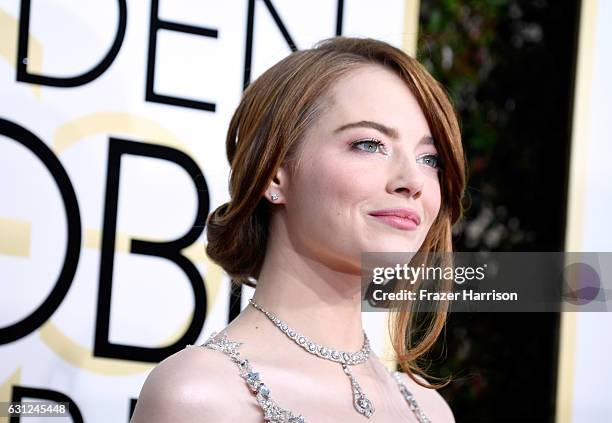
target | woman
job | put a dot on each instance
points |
(334, 151)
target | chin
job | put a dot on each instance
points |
(393, 246)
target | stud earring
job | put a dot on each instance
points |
(274, 197)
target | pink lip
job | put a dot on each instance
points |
(405, 219)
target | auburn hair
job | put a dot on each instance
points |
(264, 133)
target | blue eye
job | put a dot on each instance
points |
(432, 160)
(372, 145)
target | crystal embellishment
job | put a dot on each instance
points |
(263, 390)
(360, 401)
(362, 404)
(412, 402)
(358, 357)
(273, 413)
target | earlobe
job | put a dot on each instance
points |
(277, 185)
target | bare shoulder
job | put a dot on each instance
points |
(431, 402)
(192, 385)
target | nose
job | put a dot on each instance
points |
(406, 178)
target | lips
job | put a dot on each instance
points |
(405, 219)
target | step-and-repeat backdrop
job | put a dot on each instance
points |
(112, 152)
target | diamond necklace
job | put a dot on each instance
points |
(361, 403)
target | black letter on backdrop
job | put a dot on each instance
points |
(73, 225)
(248, 54)
(132, 408)
(236, 291)
(74, 81)
(155, 25)
(170, 250)
(339, 17)
(21, 392)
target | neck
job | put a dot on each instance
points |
(316, 300)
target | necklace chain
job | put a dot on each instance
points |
(361, 403)
(343, 357)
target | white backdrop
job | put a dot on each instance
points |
(586, 354)
(72, 319)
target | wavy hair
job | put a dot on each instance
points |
(265, 132)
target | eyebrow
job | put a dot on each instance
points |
(390, 132)
(427, 140)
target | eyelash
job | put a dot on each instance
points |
(438, 164)
(378, 143)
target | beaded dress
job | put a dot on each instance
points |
(273, 412)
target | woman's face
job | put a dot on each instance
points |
(369, 154)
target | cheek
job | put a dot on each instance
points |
(432, 199)
(332, 190)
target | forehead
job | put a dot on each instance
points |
(374, 93)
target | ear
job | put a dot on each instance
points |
(279, 187)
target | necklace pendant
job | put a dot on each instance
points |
(362, 404)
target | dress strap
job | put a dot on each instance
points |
(411, 400)
(273, 413)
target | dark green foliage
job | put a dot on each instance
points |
(508, 66)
